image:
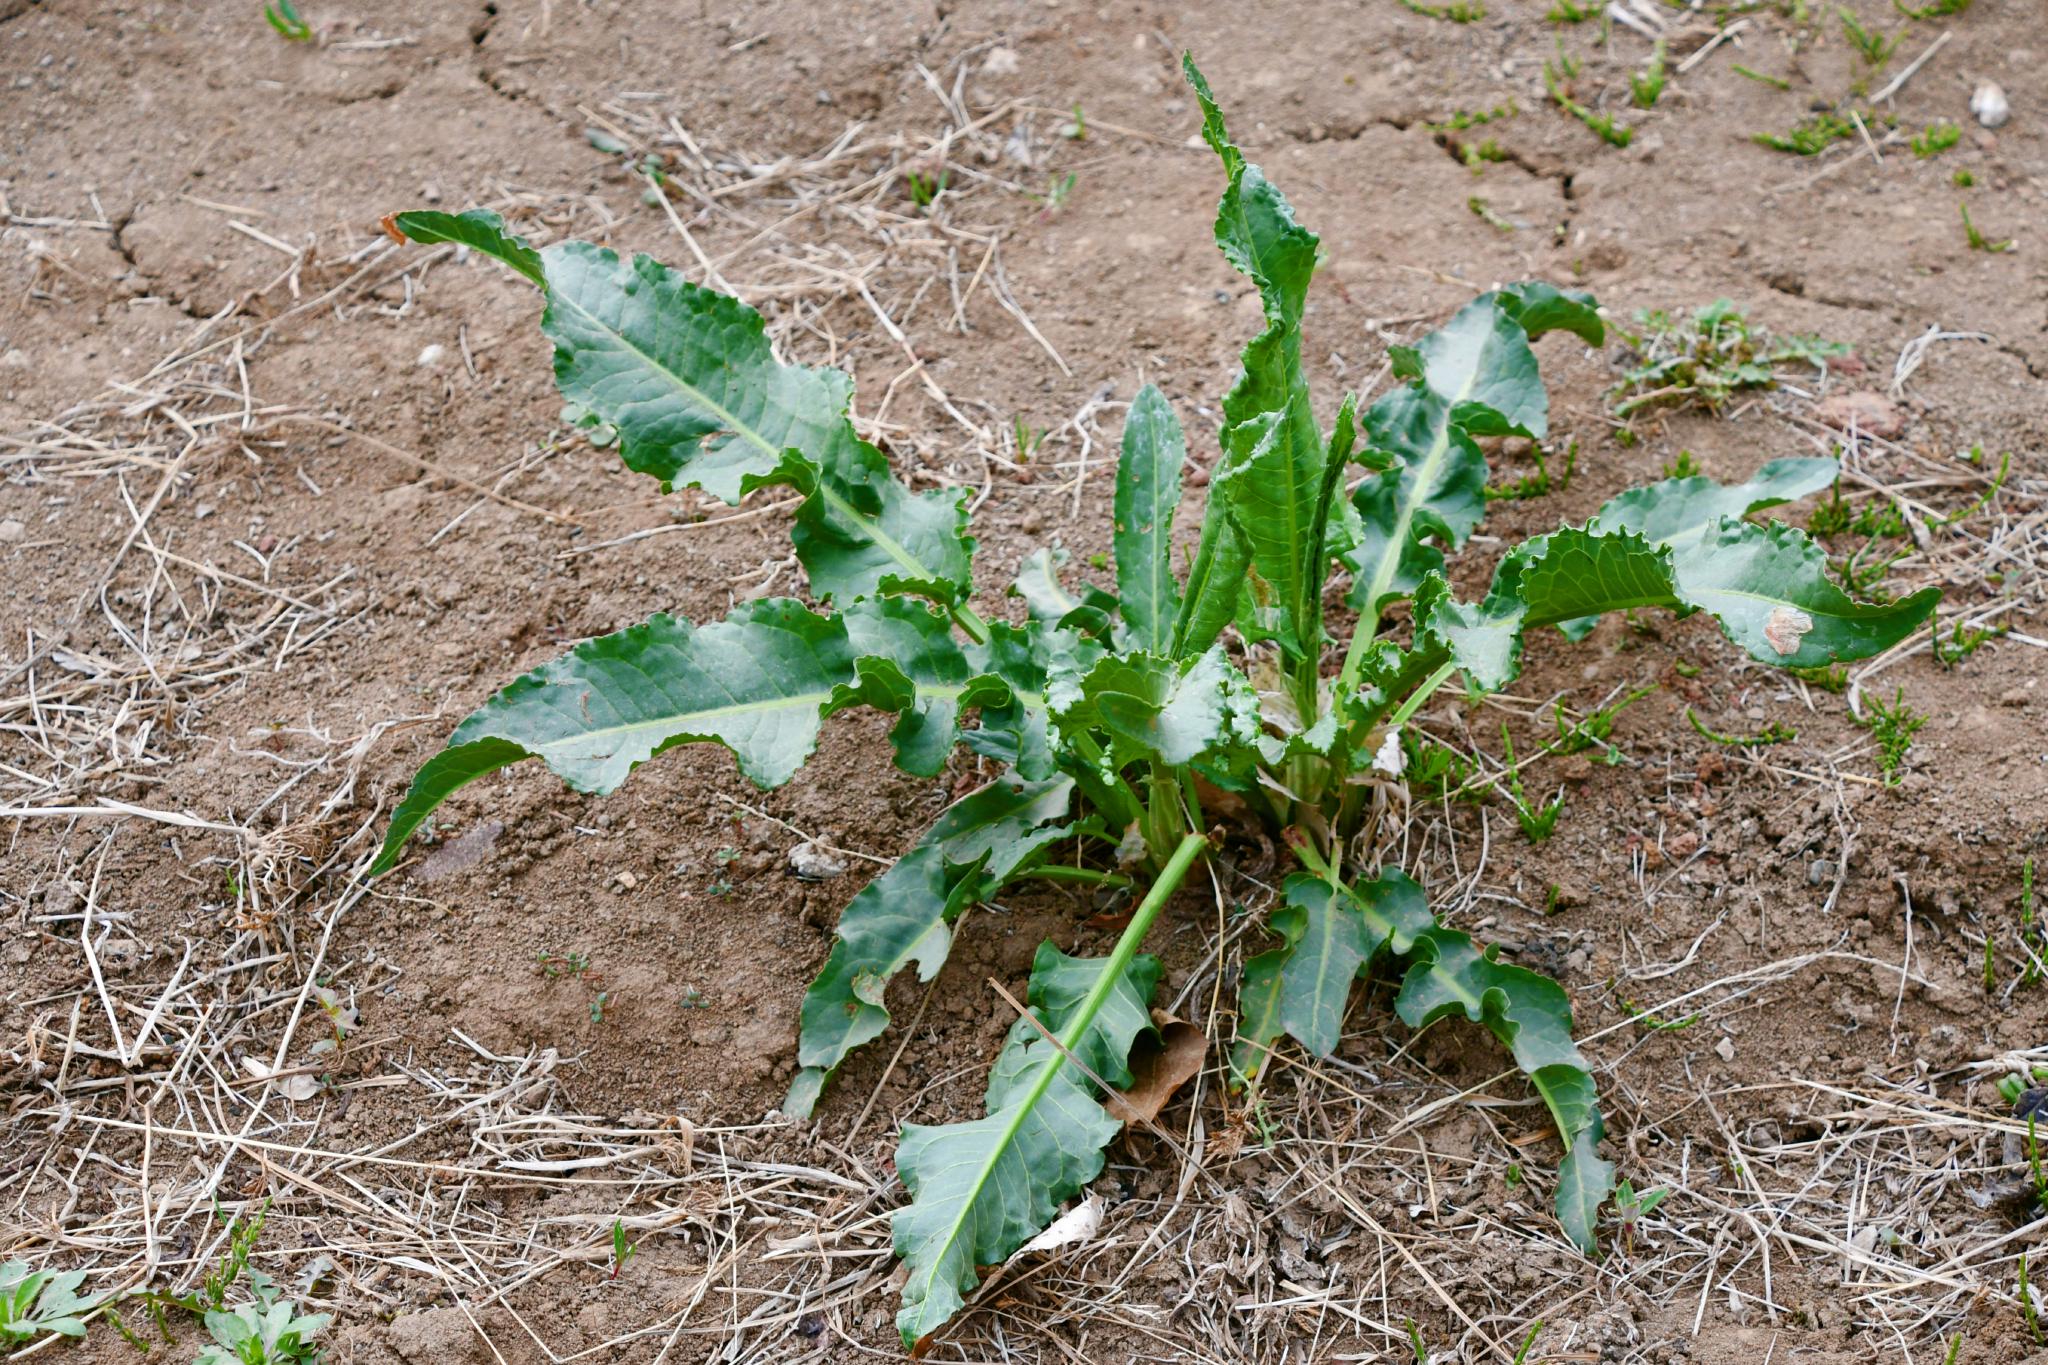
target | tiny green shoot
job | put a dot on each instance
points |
(1939, 136)
(283, 16)
(1538, 822)
(1773, 733)
(1893, 725)
(1978, 241)
(622, 1250)
(1648, 84)
(1458, 12)
(1938, 10)
(1810, 137)
(1872, 46)
(1777, 82)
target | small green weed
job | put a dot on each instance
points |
(1648, 84)
(1978, 241)
(1810, 138)
(1576, 737)
(1458, 12)
(1830, 518)
(1486, 215)
(924, 190)
(1462, 119)
(1962, 179)
(1567, 12)
(1773, 733)
(1777, 82)
(1644, 1017)
(2027, 1309)
(1541, 482)
(1684, 466)
(283, 16)
(2030, 941)
(1963, 641)
(1872, 46)
(1538, 822)
(1893, 725)
(1477, 156)
(1075, 129)
(1939, 9)
(597, 1006)
(1939, 137)
(266, 1332)
(622, 1250)
(39, 1303)
(1631, 1207)
(1706, 358)
(562, 964)
(1528, 1342)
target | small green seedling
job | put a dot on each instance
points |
(1056, 195)
(41, 1303)
(1643, 1016)
(562, 964)
(2027, 1308)
(1485, 214)
(1556, 79)
(1462, 119)
(1775, 82)
(1938, 10)
(622, 1250)
(1538, 822)
(1963, 641)
(1811, 137)
(1977, 240)
(1576, 737)
(1106, 716)
(1570, 12)
(1962, 179)
(1415, 1342)
(924, 190)
(1459, 12)
(1872, 46)
(1076, 128)
(283, 16)
(1648, 84)
(1938, 138)
(1685, 465)
(1893, 725)
(1631, 1208)
(1541, 482)
(1773, 733)
(1528, 1342)
(597, 1006)
(2030, 943)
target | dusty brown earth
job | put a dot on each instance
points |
(280, 501)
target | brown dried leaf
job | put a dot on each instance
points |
(1160, 1067)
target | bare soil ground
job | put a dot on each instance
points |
(280, 501)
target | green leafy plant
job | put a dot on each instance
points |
(1977, 240)
(1119, 718)
(40, 1303)
(265, 1331)
(1541, 482)
(1706, 358)
(1538, 822)
(283, 16)
(622, 1249)
(1962, 179)
(1772, 733)
(1939, 136)
(1570, 12)
(2027, 1309)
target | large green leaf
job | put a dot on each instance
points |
(1151, 711)
(981, 1189)
(760, 682)
(902, 916)
(1678, 513)
(1215, 580)
(1768, 585)
(1532, 1016)
(1272, 478)
(687, 377)
(1331, 934)
(1476, 376)
(1147, 499)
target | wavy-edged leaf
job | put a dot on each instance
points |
(979, 1190)
(1215, 580)
(1272, 478)
(1331, 936)
(1147, 500)
(1532, 1016)
(1767, 584)
(1678, 513)
(1584, 1180)
(1152, 711)
(761, 682)
(1475, 376)
(687, 378)
(477, 229)
(902, 917)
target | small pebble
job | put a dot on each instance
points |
(813, 864)
(430, 357)
(1818, 871)
(11, 530)
(1725, 1049)
(1989, 105)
